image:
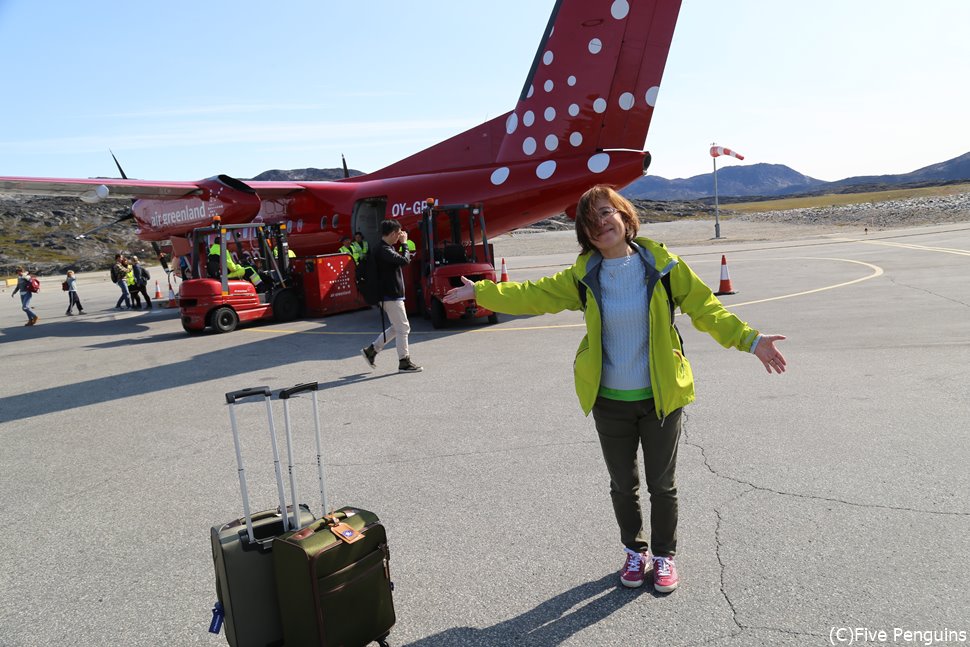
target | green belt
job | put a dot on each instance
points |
(626, 395)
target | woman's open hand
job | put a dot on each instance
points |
(465, 293)
(770, 356)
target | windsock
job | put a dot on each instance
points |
(720, 150)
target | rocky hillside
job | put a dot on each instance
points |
(39, 233)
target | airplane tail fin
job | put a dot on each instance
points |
(592, 87)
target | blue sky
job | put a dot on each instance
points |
(185, 90)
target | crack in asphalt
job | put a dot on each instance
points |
(720, 561)
(815, 497)
(719, 544)
(930, 292)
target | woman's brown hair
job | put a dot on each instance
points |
(587, 218)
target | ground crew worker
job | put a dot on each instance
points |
(215, 249)
(289, 253)
(213, 264)
(234, 270)
(347, 247)
(361, 244)
(250, 273)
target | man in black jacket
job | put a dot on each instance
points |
(392, 255)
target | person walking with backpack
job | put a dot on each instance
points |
(391, 279)
(119, 276)
(141, 277)
(26, 285)
(630, 370)
(70, 284)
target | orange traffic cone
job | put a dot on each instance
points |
(158, 291)
(725, 287)
(172, 302)
(504, 277)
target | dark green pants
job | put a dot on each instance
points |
(623, 428)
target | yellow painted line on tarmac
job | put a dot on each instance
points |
(921, 248)
(876, 271)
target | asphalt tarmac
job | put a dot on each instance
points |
(822, 506)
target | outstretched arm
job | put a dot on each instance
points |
(548, 295)
(464, 293)
(770, 356)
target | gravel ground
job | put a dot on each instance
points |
(850, 220)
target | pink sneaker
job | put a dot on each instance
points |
(634, 570)
(665, 577)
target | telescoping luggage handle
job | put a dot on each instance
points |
(231, 399)
(285, 395)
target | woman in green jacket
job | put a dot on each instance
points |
(630, 369)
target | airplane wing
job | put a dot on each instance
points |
(95, 189)
(113, 187)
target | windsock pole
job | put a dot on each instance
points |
(715, 151)
(717, 210)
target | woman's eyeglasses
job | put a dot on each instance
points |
(604, 213)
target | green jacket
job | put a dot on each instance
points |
(670, 374)
(350, 250)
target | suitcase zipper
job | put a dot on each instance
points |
(385, 559)
(366, 572)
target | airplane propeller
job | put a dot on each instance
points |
(131, 214)
(127, 216)
(97, 195)
(118, 164)
(344, 160)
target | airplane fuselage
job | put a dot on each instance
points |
(320, 214)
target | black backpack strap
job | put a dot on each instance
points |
(670, 294)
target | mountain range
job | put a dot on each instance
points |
(777, 180)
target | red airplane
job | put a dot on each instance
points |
(581, 119)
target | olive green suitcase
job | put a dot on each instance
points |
(241, 551)
(333, 593)
(245, 585)
(333, 577)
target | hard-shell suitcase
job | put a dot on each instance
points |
(241, 552)
(333, 577)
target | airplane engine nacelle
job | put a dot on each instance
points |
(232, 200)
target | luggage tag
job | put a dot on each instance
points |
(218, 615)
(345, 533)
